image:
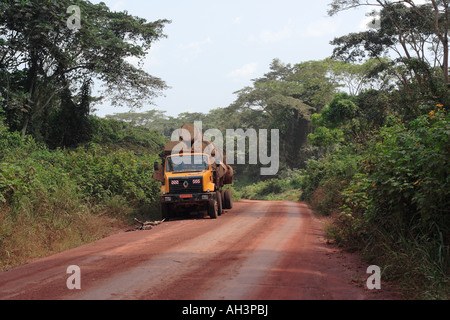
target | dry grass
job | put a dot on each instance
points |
(48, 230)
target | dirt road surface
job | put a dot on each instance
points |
(256, 251)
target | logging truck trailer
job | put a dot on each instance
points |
(193, 180)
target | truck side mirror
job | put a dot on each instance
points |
(156, 166)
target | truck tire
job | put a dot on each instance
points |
(222, 194)
(219, 203)
(228, 203)
(213, 208)
(165, 214)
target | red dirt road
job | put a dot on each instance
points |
(257, 251)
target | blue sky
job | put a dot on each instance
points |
(215, 48)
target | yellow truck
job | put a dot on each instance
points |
(193, 174)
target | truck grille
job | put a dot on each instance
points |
(186, 185)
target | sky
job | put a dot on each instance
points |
(215, 48)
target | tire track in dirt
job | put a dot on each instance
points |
(46, 278)
(163, 276)
(260, 250)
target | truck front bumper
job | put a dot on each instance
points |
(187, 198)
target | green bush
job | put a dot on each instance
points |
(115, 133)
(397, 207)
(405, 172)
(101, 173)
(323, 180)
(273, 189)
(52, 200)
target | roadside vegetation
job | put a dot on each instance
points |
(286, 187)
(364, 135)
(67, 178)
(389, 198)
(53, 200)
(379, 150)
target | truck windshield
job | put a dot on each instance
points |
(187, 163)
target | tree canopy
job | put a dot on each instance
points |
(44, 64)
(415, 32)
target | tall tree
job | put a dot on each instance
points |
(284, 99)
(416, 32)
(357, 78)
(51, 58)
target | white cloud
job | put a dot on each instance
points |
(238, 20)
(194, 48)
(321, 28)
(270, 36)
(245, 72)
(118, 6)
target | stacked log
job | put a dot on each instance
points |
(198, 144)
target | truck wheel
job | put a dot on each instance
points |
(213, 208)
(228, 203)
(165, 211)
(219, 203)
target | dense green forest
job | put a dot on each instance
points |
(364, 134)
